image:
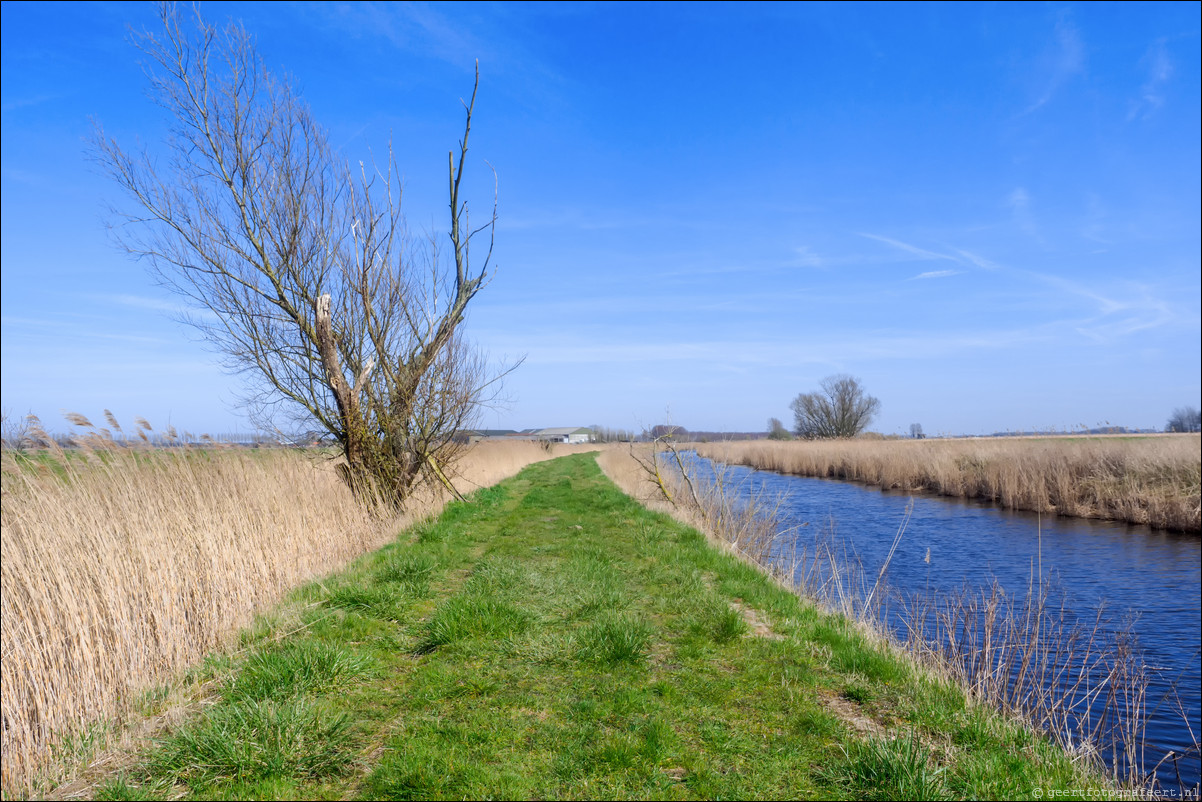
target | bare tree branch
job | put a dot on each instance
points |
(300, 267)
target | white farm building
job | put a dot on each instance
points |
(565, 434)
(557, 434)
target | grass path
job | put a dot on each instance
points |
(554, 639)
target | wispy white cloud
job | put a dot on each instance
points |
(913, 250)
(1159, 70)
(936, 274)
(177, 310)
(27, 102)
(62, 334)
(1063, 59)
(807, 258)
(977, 260)
(1104, 304)
(804, 256)
(411, 27)
(1113, 316)
(142, 302)
(959, 256)
(1019, 203)
(754, 354)
(493, 34)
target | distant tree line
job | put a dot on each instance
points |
(666, 431)
(604, 434)
(1184, 419)
(698, 436)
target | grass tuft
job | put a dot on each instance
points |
(893, 769)
(727, 624)
(298, 668)
(258, 740)
(411, 570)
(613, 639)
(386, 602)
(464, 617)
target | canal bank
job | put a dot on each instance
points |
(1122, 587)
(555, 639)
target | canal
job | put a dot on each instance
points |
(1125, 583)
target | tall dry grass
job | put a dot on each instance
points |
(122, 565)
(737, 518)
(1151, 480)
(1029, 656)
(1080, 681)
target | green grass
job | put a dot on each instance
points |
(553, 639)
(894, 768)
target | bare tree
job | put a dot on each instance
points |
(841, 409)
(777, 430)
(1184, 419)
(15, 431)
(916, 431)
(665, 432)
(301, 267)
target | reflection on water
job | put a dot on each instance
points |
(1146, 578)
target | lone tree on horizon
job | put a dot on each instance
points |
(777, 430)
(666, 431)
(300, 265)
(840, 409)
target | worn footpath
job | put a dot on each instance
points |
(553, 639)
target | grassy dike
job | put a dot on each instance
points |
(554, 639)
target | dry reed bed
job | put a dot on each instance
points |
(1152, 480)
(123, 566)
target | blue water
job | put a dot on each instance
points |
(1145, 579)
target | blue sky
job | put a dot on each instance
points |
(988, 213)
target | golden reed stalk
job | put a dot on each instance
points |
(1151, 480)
(123, 565)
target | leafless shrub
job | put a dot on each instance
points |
(14, 431)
